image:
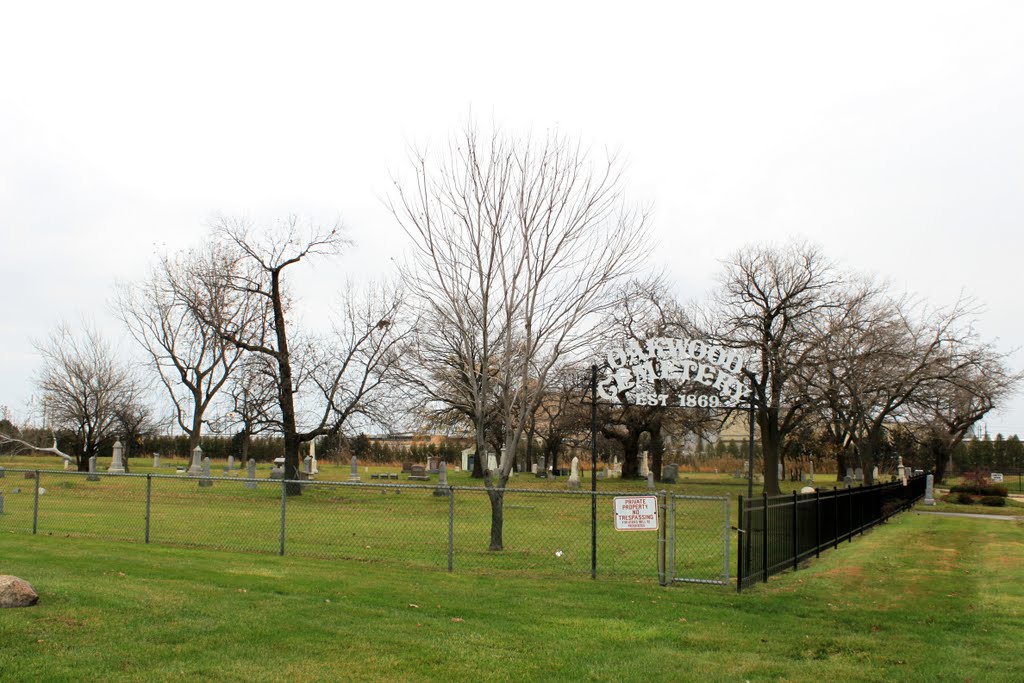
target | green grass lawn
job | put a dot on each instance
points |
(920, 598)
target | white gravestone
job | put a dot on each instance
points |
(206, 481)
(574, 474)
(196, 468)
(929, 490)
(92, 470)
(354, 474)
(115, 464)
(251, 474)
(313, 469)
(231, 462)
(650, 480)
(156, 461)
(644, 467)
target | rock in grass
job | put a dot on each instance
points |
(15, 592)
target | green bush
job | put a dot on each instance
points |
(981, 489)
(964, 498)
(994, 501)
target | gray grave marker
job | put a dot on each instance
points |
(196, 468)
(92, 470)
(205, 480)
(116, 465)
(354, 474)
(251, 474)
(929, 490)
(156, 461)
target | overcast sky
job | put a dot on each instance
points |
(890, 133)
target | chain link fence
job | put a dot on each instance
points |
(544, 532)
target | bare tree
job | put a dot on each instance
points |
(516, 245)
(766, 302)
(84, 386)
(192, 361)
(318, 386)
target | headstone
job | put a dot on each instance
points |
(92, 470)
(492, 462)
(670, 473)
(406, 467)
(858, 474)
(307, 465)
(901, 471)
(807, 489)
(156, 461)
(251, 474)
(779, 471)
(313, 467)
(929, 490)
(418, 473)
(542, 468)
(533, 468)
(918, 473)
(996, 477)
(874, 473)
(354, 474)
(849, 472)
(847, 482)
(433, 465)
(1, 472)
(231, 462)
(205, 481)
(810, 477)
(277, 471)
(574, 474)
(442, 483)
(196, 468)
(650, 480)
(115, 464)
(15, 592)
(67, 465)
(644, 467)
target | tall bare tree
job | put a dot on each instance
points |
(767, 299)
(84, 385)
(318, 386)
(192, 361)
(516, 245)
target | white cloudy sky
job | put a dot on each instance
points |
(889, 132)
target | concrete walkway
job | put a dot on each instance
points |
(972, 515)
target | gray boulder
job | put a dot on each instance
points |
(15, 592)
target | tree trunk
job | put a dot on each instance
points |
(497, 497)
(768, 423)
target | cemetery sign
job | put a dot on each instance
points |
(709, 376)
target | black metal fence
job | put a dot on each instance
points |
(776, 533)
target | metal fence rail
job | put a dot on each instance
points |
(545, 532)
(776, 533)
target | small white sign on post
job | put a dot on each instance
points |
(636, 513)
(997, 477)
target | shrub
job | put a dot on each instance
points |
(964, 498)
(981, 489)
(994, 501)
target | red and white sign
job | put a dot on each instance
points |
(636, 513)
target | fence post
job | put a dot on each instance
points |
(35, 505)
(764, 541)
(451, 527)
(727, 503)
(817, 523)
(284, 505)
(835, 518)
(740, 533)
(661, 537)
(796, 544)
(149, 497)
(849, 500)
(671, 537)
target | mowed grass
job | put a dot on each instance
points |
(920, 598)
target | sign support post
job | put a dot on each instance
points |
(593, 471)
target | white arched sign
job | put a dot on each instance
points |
(633, 369)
